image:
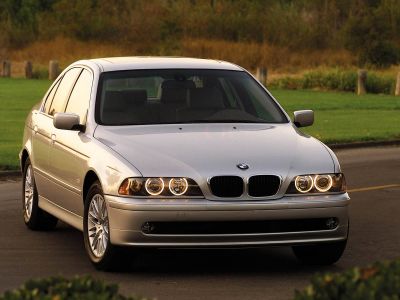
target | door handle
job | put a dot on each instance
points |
(53, 138)
(35, 129)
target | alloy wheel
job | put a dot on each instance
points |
(28, 193)
(98, 228)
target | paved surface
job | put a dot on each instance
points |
(270, 273)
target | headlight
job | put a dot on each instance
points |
(161, 187)
(178, 186)
(303, 184)
(317, 183)
(154, 186)
(323, 183)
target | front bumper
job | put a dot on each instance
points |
(128, 215)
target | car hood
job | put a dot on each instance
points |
(201, 151)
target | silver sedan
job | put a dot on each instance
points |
(178, 152)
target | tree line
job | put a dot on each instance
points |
(368, 28)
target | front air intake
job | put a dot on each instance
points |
(263, 185)
(226, 186)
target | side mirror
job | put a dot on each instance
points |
(66, 121)
(303, 118)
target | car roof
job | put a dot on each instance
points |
(139, 63)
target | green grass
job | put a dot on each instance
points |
(17, 96)
(339, 117)
(346, 117)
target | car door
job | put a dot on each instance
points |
(69, 151)
(41, 140)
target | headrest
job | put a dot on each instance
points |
(121, 100)
(206, 97)
(135, 97)
(173, 91)
(177, 84)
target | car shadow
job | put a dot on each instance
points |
(239, 260)
(182, 261)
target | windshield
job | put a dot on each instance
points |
(183, 96)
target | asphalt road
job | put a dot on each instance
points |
(373, 179)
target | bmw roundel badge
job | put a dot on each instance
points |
(242, 166)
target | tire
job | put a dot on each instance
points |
(320, 254)
(103, 255)
(34, 217)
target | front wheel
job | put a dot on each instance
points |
(96, 230)
(320, 254)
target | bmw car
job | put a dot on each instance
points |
(158, 152)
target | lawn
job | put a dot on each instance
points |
(17, 96)
(340, 117)
(346, 117)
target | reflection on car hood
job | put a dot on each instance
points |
(206, 150)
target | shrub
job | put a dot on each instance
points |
(287, 82)
(380, 84)
(40, 73)
(337, 80)
(331, 80)
(378, 281)
(82, 288)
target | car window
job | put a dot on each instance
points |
(79, 100)
(50, 96)
(62, 93)
(172, 96)
(152, 85)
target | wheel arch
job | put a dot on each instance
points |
(90, 177)
(24, 157)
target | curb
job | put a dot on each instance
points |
(368, 144)
(10, 173)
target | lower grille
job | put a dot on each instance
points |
(227, 186)
(240, 227)
(264, 185)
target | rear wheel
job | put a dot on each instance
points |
(103, 255)
(34, 217)
(320, 254)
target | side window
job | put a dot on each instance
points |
(50, 96)
(62, 93)
(79, 100)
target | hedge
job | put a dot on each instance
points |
(378, 281)
(60, 288)
(336, 79)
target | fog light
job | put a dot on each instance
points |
(332, 223)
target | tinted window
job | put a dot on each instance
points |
(50, 96)
(62, 93)
(183, 96)
(79, 100)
